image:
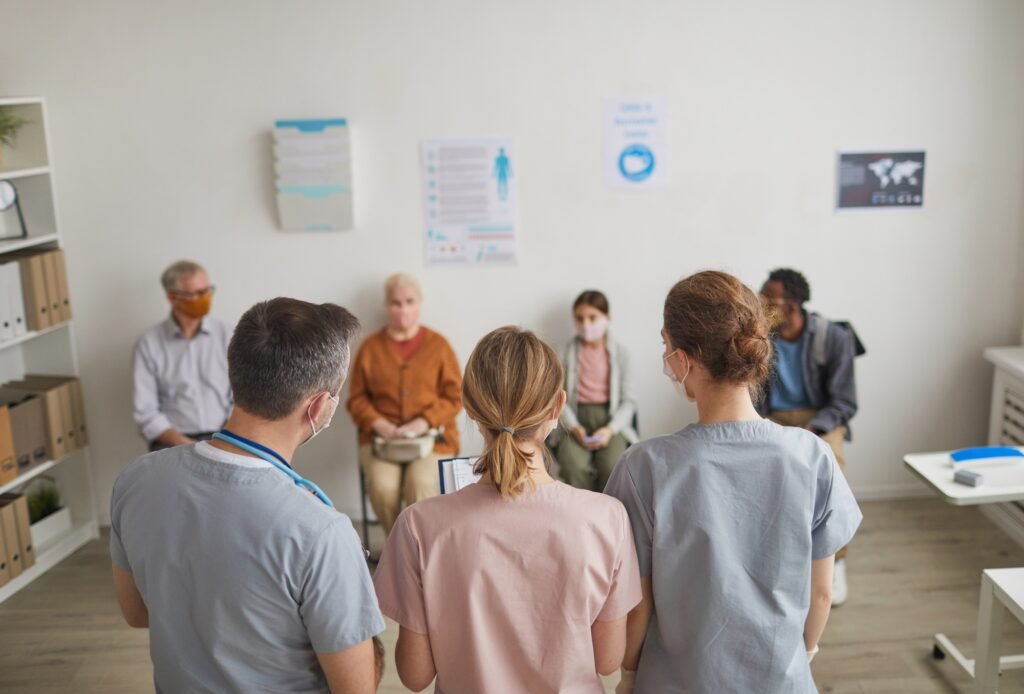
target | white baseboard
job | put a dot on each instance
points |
(892, 491)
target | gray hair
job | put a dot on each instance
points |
(172, 276)
(285, 350)
(401, 279)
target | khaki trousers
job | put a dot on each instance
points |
(389, 484)
(834, 438)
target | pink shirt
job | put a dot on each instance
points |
(507, 590)
(593, 375)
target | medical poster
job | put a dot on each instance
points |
(470, 196)
(880, 179)
(636, 143)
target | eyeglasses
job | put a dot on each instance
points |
(197, 294)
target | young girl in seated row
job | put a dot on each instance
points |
(597, 422)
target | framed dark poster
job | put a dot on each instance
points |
(880, 179)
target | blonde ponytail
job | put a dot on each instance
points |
(511, 385)
(508, 465)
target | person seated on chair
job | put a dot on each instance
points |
(598, 416)
(406, 383)
(816, 392)
(180, 368)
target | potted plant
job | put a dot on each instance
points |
(10, 124)
(47, 517)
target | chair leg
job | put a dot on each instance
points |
(366, 522)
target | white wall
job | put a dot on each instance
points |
(161, 115)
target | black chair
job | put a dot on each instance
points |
(366, 521)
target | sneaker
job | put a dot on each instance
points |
(839, 590)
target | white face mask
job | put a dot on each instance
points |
(312, 424)
(593, 331)
(680, 385)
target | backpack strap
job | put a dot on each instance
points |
(821, 326)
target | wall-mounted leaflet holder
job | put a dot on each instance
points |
(314, 174)
(10, 212)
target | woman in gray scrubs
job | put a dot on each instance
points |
(736, 519)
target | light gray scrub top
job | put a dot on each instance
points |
(726, 519)
(245, 575)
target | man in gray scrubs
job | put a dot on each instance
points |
(246, 580)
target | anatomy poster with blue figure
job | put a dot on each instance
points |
(636, 143)
(881, 179)
(470, 201)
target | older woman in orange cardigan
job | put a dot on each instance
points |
(405, 381)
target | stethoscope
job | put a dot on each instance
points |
(275, 459)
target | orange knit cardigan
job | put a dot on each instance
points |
(429, 385)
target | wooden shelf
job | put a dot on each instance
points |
(35, 471)
(32, 334)
(54, 552)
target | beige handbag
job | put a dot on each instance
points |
(404, 450)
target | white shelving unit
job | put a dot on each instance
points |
(29, 166)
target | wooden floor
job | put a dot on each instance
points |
(914, 571)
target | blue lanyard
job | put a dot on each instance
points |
(275, 459)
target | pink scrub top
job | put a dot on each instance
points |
(507, 590)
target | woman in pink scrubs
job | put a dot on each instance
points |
(518, 583)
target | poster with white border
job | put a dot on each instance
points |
(872, 179)
(636, 143)
(470, 201)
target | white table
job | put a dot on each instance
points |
(1001, 484)
(1002, 591)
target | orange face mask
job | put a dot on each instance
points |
(196, 308)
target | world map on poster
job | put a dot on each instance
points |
(881, 179)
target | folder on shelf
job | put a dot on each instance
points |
(11, 277)
(28, 426)
(56, 440)
(33, 286)
(67, 418)
(78, 412)
(5, 572)
(71, 403)
(21, 520)
(6, 316)
(9, 530)
(62, 387)
(8, 464)
(60, 271)
(53, 297)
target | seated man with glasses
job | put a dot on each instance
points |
(180, 367)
